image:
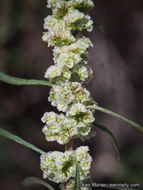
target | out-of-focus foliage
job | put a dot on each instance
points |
(131, 169)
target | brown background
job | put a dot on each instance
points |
(117, 61)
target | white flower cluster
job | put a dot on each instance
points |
(75, 100)
(60, 30)
(60, 167)
(58, 34)
(78, 20)
(67, 94)
(60, 7)
(58, 128)
(63, 96)
(70, 62)
(84, 4)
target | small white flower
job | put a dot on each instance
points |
(83, 73)
(73, 16)
(53, 71)
(62, 106)
(49, 117)
(84, 131)
(68, 59)
(76, 109)
(49, 22)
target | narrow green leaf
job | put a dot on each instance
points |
(19, 140)
(109, 133)
(19, 81)
(34, 180)
(119, 117)
(77, 178)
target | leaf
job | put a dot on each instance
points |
(19, 140)
(119, 117)
(109, 133)
(34, 180)
(77, 178)
(19, 81)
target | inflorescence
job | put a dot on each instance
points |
(68, 74)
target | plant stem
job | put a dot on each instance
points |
(68, 147)
(65, 185)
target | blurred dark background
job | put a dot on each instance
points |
(117, 61)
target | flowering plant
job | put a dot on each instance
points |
(66, 78)
(68, 75)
